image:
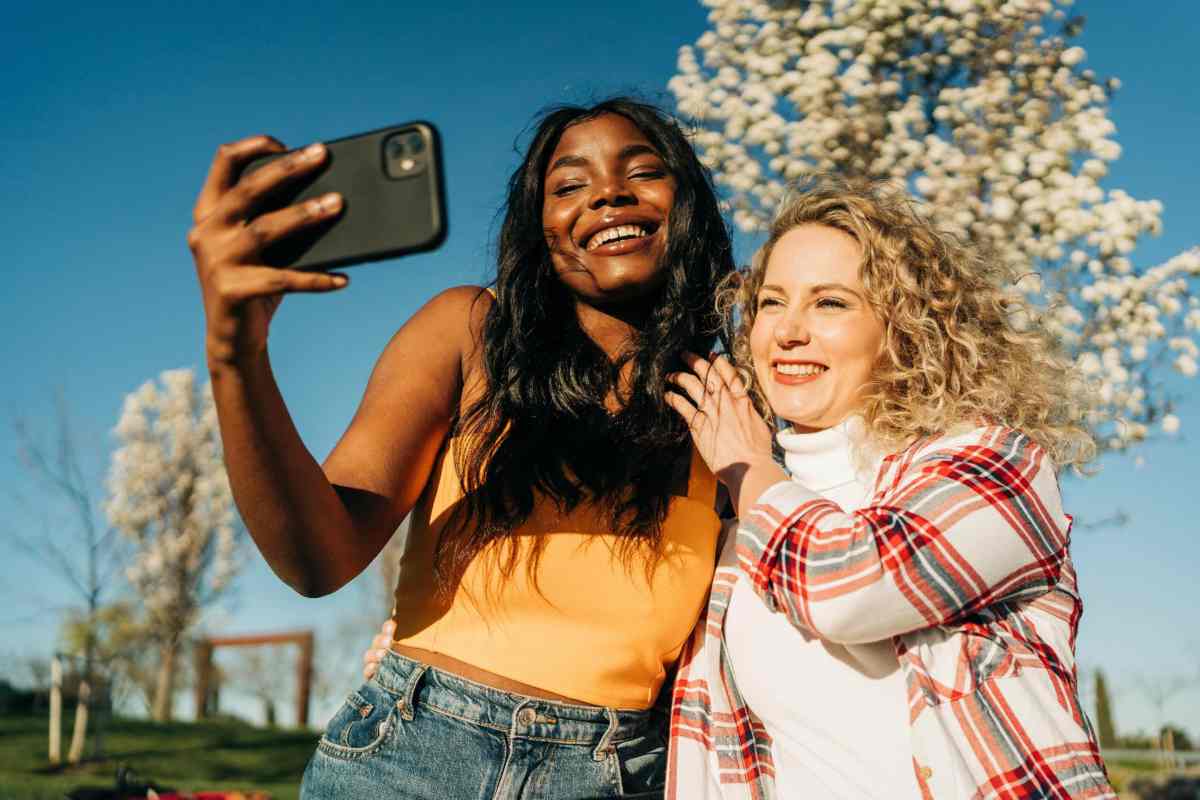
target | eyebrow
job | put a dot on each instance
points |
(627, 152)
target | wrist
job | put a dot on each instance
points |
(747, 480)
(735, 472)
(224, 356)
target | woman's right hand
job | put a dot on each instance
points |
(379, 647)
(240, 293)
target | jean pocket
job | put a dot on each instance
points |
(361, 725)
(642, 764)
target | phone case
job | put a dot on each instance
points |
(393, 200)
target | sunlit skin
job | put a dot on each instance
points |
(605, 174)
(814, 342)
(813, 317)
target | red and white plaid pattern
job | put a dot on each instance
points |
(961, 558)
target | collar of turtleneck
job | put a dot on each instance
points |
(831, 458)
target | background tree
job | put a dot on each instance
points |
(72, 540)
(169, 496)
(983, 108)
(267, 674)
(124, 643)
(1178, 737)
(1158, 691)
(1106, 728)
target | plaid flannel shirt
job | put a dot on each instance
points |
(960, 556)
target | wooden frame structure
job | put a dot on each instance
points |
(304, 670)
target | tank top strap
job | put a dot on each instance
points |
(702, 484)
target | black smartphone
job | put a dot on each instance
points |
(394, 202)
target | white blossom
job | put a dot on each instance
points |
(169, 495)
(985, 108)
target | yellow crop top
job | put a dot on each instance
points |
(592, 628)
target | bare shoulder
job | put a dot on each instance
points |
(413, 393)
(466, 308)
(462, 302)
(459, 307)
(447, 327)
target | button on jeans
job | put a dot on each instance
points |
(417, 732)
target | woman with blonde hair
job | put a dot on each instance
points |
(896, 614)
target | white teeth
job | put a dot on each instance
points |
(800, 369)
(614, 233)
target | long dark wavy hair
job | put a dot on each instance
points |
(541, 427)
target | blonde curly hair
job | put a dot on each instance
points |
(955, 349)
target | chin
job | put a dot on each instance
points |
(616, 282)
(801, 421)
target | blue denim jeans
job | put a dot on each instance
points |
(417, 732)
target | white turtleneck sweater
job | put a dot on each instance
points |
(837, 714)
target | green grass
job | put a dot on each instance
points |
(182, 755)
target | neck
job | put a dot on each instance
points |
(612, 328)
(830, 457)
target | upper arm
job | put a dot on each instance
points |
(415, 389)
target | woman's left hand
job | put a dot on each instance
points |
(378, 649)
(730, 435)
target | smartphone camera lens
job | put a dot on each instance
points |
(405, 154)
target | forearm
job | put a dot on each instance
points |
(822, 568)
(295, 516)
(747, 481)
(970, 522)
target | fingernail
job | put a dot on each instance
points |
(331, 202)
(313, 151)
(340, 280)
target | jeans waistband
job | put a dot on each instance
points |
(415, 684)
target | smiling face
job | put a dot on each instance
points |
(607, 199)
(815, 337)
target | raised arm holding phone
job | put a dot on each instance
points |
(317, 526)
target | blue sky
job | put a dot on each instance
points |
(111, 116)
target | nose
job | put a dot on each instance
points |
(610, 190)
(791, 330)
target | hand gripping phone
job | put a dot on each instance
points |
(393, 200)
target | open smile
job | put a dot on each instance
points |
(791, 373)
(618, 237)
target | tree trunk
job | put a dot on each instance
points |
(55, 711)
(81, 721)
(164, 689)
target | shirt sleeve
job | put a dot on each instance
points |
(953, 527)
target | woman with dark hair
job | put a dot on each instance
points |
(563, 534)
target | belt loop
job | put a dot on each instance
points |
(408, 690)
(604, 746)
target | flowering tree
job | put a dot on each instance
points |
(983, 108)
(169, 495)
